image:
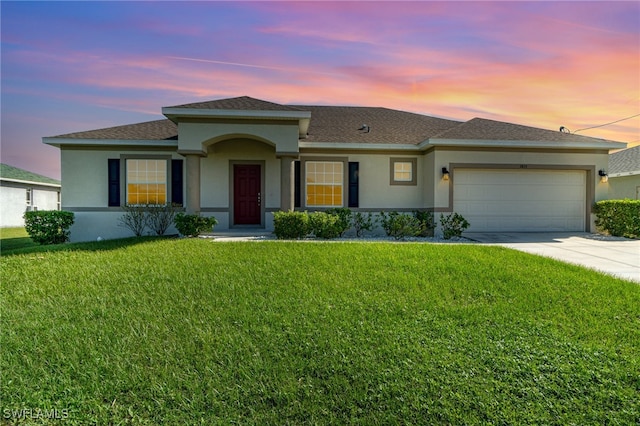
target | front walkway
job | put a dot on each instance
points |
(615, 256)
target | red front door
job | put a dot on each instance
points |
(247, 198)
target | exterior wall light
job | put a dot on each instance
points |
(604, 177)
(445, 174)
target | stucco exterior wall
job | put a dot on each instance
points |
(13, 201)
(85, 175)
(216, 178)
(197, 136)
(624, 187)
(375, 189)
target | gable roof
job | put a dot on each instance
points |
(241, 103)
(15, 174)
(625, 162)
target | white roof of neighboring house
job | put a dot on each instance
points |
(625, 162)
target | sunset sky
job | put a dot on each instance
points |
(73, 66)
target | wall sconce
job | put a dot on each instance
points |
(445, 174)
(604, 177)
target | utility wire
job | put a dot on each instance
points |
(606, 124)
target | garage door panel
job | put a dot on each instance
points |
(521, 200)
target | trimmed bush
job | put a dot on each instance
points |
(48, 226)
(400, 226)
(325, 225)
(290, 225)
(192, 225)
(363, 222)
(344, 218)
(427, 222)
(453, 225)
(620, 218)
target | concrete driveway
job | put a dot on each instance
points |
(616, 256)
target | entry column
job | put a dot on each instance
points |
(193, 183)
(286, 183)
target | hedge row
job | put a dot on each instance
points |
(620, 218)
(334, 223)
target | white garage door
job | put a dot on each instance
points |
(521, 200)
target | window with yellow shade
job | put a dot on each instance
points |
(146, 181)
(324, 183)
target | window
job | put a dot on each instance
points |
(403, 171)
(29, 196)
(138, 174)
(324, 183)
(146, 181)
(59, 203)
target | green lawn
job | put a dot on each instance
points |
(188, 331)
(14, 238)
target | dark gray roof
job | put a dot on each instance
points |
(342, 124)
(150, 130)
(625, 161)
(483, 129)
(15, 173)
(244, 103)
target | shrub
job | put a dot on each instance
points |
(135, 218)
(344, 218)
(290, 225)
(620, 218)
(362, 222)
(192, 225)
(325, 225)
(427, 222)
(48, 226)
(400, 226)
(161, 216)
(453, 225)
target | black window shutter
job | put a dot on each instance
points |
(296, 184)
(176, 182)
(354, 167)
(114, 182)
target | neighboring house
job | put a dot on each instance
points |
(22, 191)
(624, 174)
(241, 159)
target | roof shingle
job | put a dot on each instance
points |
(15, 173)
(244, 103)
(625, 161)
(484, 129)
(150, 130)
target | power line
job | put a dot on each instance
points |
(607, 124)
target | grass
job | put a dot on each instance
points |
(14, 238)
(186, 331)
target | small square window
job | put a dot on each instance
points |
(403, 171)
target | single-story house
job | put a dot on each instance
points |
(240, 159)
(624, 174)
(22, 191)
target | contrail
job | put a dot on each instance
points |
(237, 64)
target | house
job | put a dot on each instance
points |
(624, 174)
(240, 159)
(22, 191)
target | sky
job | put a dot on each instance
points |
(83, 65)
